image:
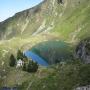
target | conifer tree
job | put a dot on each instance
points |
(32, 66)
(19, 55)
(24, 67)
(12, 62)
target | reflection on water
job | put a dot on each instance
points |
(36, 58)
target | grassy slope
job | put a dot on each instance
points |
(74, 23)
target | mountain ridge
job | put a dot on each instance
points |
(37, 15)
(47, 16)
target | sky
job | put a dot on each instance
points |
(9, 7)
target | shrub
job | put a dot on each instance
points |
(84, 74)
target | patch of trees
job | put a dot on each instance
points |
(28, 64)
(30, 67)
(20, 55)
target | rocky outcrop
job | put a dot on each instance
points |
(83, 50)
(60, 1)
(83, 88)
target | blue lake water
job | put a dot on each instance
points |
(36, 58)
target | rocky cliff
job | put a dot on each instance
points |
(83, 50)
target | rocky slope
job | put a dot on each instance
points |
(67, 18)
(83, 50)
(29, 22)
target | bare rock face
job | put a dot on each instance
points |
(83, 50)
(60, 1)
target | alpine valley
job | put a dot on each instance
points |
(57, 31)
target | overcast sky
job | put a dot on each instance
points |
(9, 7)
